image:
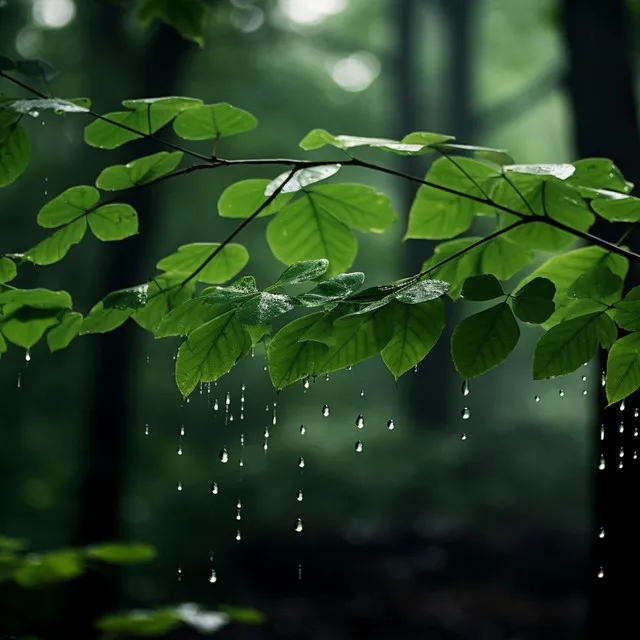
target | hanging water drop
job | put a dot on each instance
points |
(224, 456)
(300, 497)
(622, 406)
(465, 388)
(465, 413)
(359, 446)
(390, 424)
(325, 410)
(27, 356)
(227, 398)
(360, 421)
(213, 577)
(303, 430)
(305, 383)
(326, 378)
(179, 486)
(415, 369)
(301, 463)
(266, 432)
(34, 114)
(214, 488)
(536, 399)
(253, 352)
(299, 525)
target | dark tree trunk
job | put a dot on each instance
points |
(601, 87)
(112, 386)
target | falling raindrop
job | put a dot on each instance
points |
(305, 383)
(325, 410)
(584, 378)
(561, 393)
(326, 378)
(239, 510)
(227, 399)
(179, 574)
(19, 380)
(224, 456)
(182, 430)
(362, 393)
(584, 392)
(621, 427)
(602, 465)
(463, 436)
(213, 577)
(27, 356)
(603, 378)
(620, 464)
(536, 398)
(238, 535)
(635, 432)
(299, 572)
(179, 450)
(465, 413)
(621, 454)
(465, 388)
(359, 446)
(299, 525)
(303, 430)
(415, 369)
(253, 352)
(231, 417)
(622, 406)
(215, 404)
(300, 497)
(636, 413)
(601, 533)
(360, 421)
(390, 424)
(600, 573)
(266, 432)
(635, 455)
(214, 488)
(601, 432)
(146, 429)
(179, 486)
(301, 463)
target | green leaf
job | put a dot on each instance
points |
(69, 206)
(213, 121)
(121, 553)
(164, 294)
(242, 199)
(616, 207)
(421, 291)
(263, 308)
(25, 325)
(209, 352)
(188, 317)
(560, 171)
(411, 144)
(303, 271)
(190, 257)
(599, 173)
(333, 290)
(628, 311)
(533, 303)
(8, 270)
(482, 287)
(56, 246)
(34, 107)
(599, 283)
(244, 615)
(141, 623)
(623, 368)
(607, 331)
(61, 335)
(566, 347)
(484, 340)
(15, 153)
(113, 222)
(437, 214)
(187, 17)
(36, 298)
(291, 360)
(416, 329)
(145, 117)
(44, 569)
(137, 172)
(236, 292)
(301, 232)
(36, 68)
(301, 178)
(100, 320)
(130, 298)
(358, 206)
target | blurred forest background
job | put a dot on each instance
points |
(443, 527)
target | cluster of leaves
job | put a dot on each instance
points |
(41, 570)
(576, 294)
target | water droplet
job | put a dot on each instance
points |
(299, 572)
(561, 393)
(299, 525)
(465, 388)
(584, 392)
(215, 405)
(265, 446)
(266, 432)
(390, 424)
(620, 464)
(213, 577)
(601, 533)
(601, 432)
(301, 462)
(179, 450)
(636, 413)
(214, 488)
(415, 369)
(362, 393)
(179, 486)
(360, 421)
(34, 114)
(253, 352)
(359, 446)
(621, 427)
(300, 497)
(305, 383)
(238, 535)
(622, 406)
(179, 574)
(463, 436)
(325, 410)
(350, 368)
(635, 455)
(603, 379)
(536, 398)
(465, 413)
(146, 429)
(224, 456)
(19, 380)
(584, 378)
(303, 430)
(27, 356)
(227, 399)
(600, 573)
(326, 378)
(231, 417)
(601, 465)
(635, 432)
(621, 454)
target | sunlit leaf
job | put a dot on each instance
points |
(560, 171)
(141, 623)
(303, 271)
(335, 289)
(238, 291)
(189, 316)
(599, 173)
(301, 178)
(25, 325)
(60, 336)
(599, 283)
(263, 308)
(69, 206)
(57, 245)
(484, 340)
(8, 270)
(130, 298)
(34, 107)
(15, 153)
(242, 199)
(137, 172)
(44, 569)
(187, 17)
(213, 121)
(628, 311)
(101, 320)
(191, 257)
(616, 207)
(121, 553)
(623, 368)
(607, 331)
(164, 294)
(113, 221)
